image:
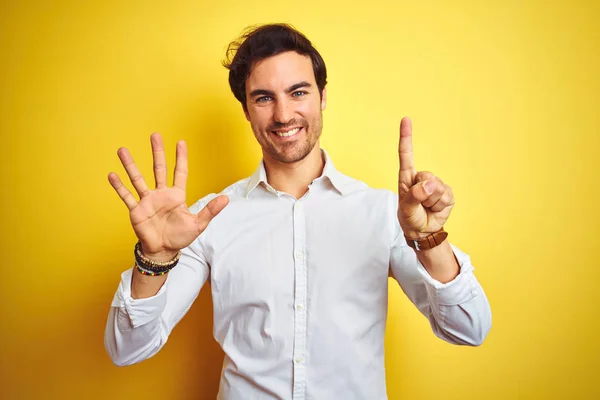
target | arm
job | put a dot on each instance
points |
(440, 262)
(137, 328)
(139, 323)
(146, 308)
(458, 310)
(439, 281)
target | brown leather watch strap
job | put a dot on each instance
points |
(428, 242)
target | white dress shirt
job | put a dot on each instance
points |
(300, 291)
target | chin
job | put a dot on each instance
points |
(291, 157)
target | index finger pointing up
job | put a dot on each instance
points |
(405, 153)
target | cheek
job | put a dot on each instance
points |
(313, 113)
(307, 111)
(258, 120)
(307, 108)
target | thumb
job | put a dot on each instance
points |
(212, 209)
(419, 193)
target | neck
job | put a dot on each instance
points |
(294, 178)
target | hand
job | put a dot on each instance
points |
(161, 219)
(424, 201)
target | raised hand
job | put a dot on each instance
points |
(424, 201)
(161, 219)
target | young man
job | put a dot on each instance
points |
(298, 254)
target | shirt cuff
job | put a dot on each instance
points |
(139, 311)
(459, 290)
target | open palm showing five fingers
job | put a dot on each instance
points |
(161, 219)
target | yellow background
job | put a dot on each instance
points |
(505, 102)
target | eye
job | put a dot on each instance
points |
(263, 99)
(299, 93)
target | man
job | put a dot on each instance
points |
(298, 254)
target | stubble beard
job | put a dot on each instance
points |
(297, 150)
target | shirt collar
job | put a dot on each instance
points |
(339, 181)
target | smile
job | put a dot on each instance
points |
(289, 133)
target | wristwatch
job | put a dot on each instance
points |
(428, 242)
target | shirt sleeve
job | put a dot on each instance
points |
(458, 311)
(137, 329)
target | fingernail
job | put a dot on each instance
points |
(429, 187)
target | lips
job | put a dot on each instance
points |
(287, 133)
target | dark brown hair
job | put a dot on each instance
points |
(259, 42)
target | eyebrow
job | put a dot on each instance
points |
(265, 92)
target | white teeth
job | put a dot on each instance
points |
(288, 133)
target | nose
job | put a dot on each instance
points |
(283, 112)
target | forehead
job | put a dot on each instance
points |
(280, 72)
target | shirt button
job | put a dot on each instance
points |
(300, 307)
(298, 360)
(297, 206)
(299, 255)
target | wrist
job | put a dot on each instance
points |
(415, 235)
(160, 256)
(429, 241)
(147, 266)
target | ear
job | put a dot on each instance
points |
(246, 113)
(324, 99)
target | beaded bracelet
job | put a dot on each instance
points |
(145, 260)
(139, 261)
(153, 267)
(150, 273)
